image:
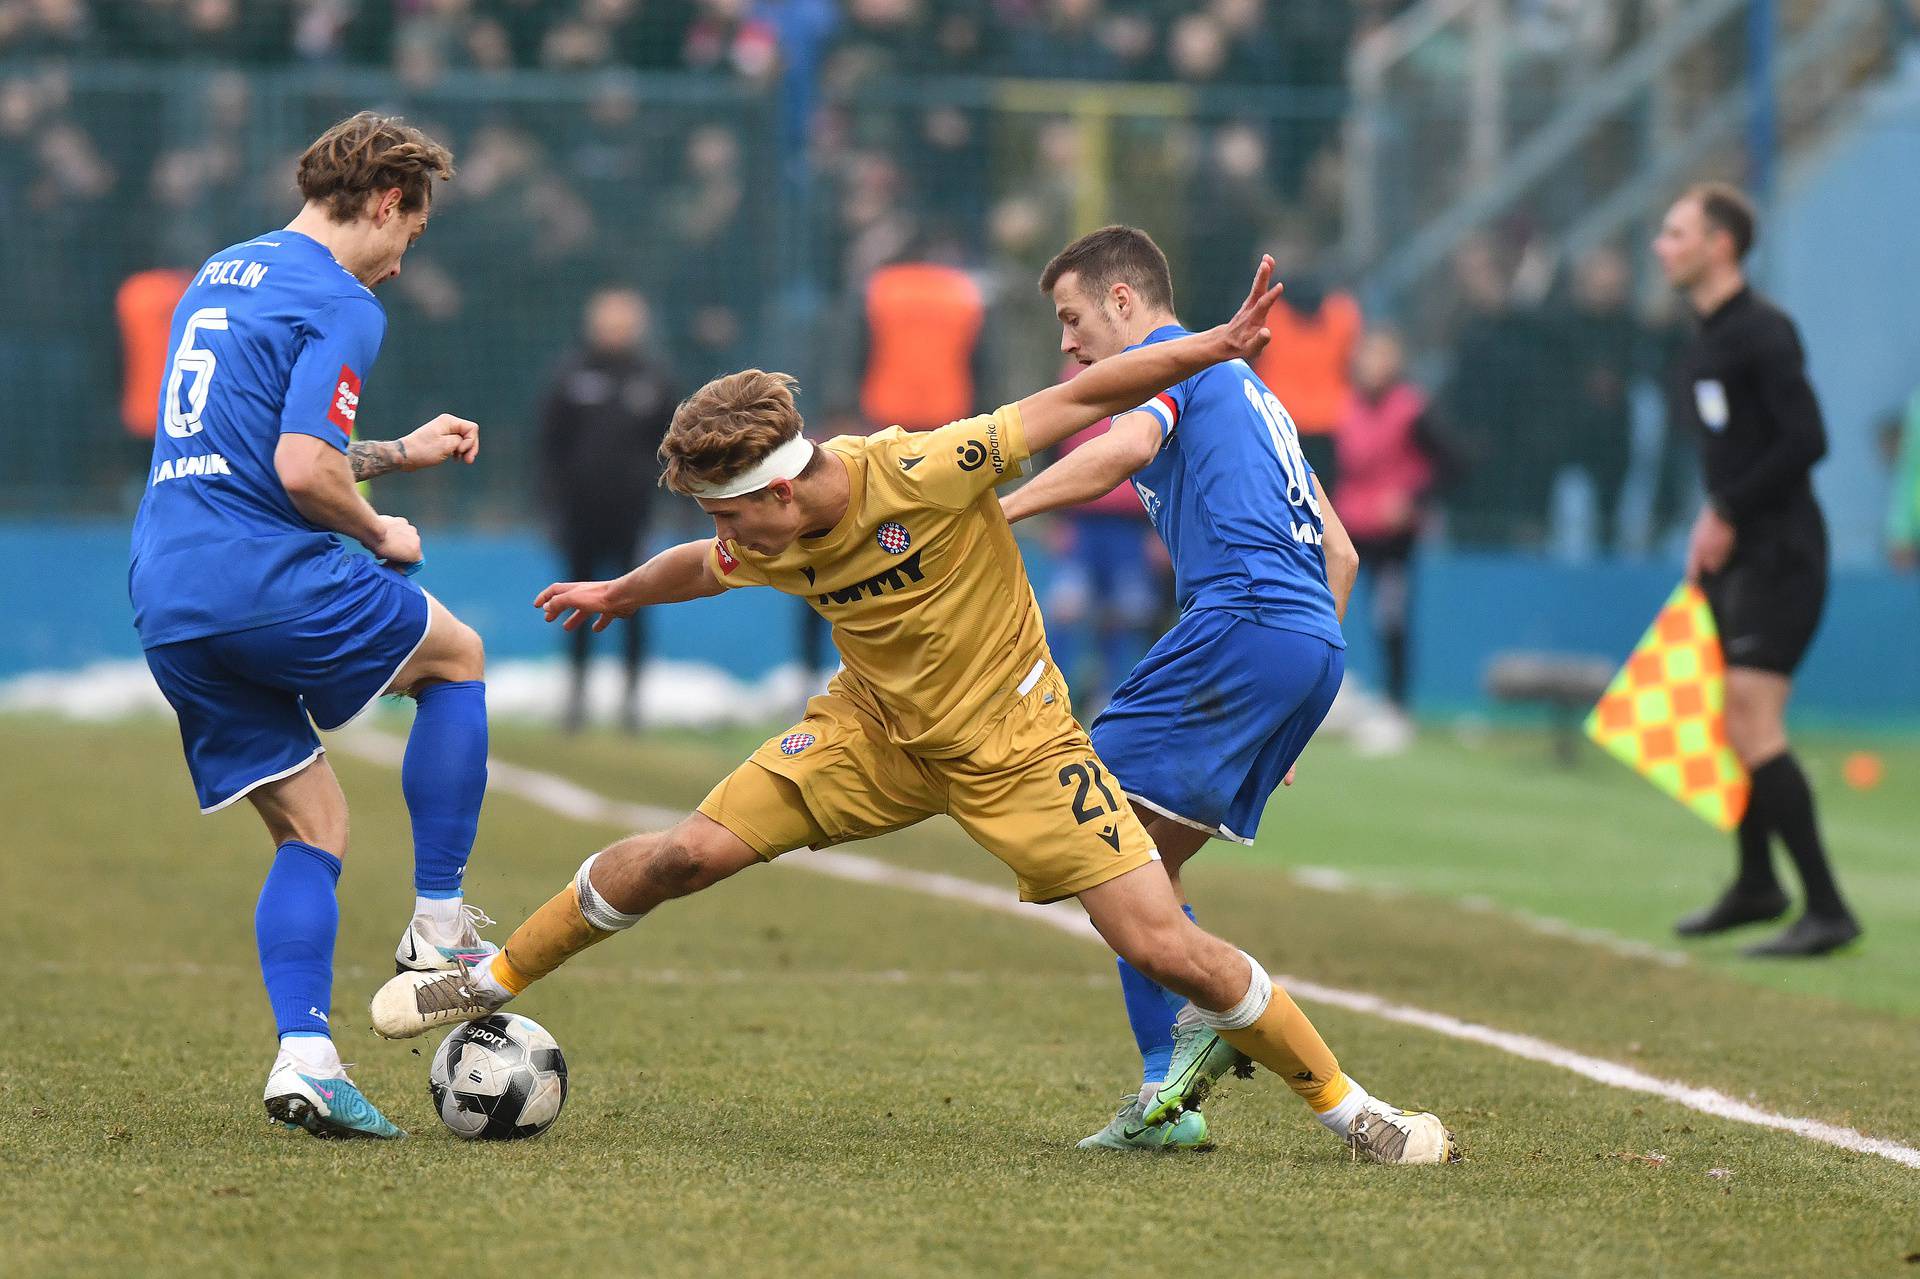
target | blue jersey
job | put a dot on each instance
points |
(1230, 494)
(273, 337)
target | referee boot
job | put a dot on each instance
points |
(1809, 936)
(1737, 907)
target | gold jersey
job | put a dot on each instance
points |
(923, 583)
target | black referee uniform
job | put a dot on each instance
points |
(1742, 383)
(600, 431)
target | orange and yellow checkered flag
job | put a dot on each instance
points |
(1664, 715)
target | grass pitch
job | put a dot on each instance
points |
(795, 1075)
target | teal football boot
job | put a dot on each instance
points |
(1200, 1059)
(1129, 1130)
(329, 1108)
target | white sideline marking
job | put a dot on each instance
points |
(1328, 880)
(568, 800)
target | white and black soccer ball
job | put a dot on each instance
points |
(500, 1078)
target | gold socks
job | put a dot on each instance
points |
(549, 938)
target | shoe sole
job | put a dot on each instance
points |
(1755, 952)
(296, 1111)
(1747, 921)
(1205, 1147)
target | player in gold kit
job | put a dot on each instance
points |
(949, 702)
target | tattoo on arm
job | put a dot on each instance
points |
(371, 458)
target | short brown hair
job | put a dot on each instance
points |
(728, 425)
(1727, 208)
(366, 153)
(1115, 255)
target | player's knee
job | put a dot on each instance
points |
(466, 656)
(681, 864)
(1165, 957)
(326, 831)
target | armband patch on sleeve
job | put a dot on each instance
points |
(728, 563)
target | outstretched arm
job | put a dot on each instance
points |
(1092, 470)
(676, 574)
(1128, 380)
(443, 438)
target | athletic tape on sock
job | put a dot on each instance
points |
(594, 907)
(1252, 1005)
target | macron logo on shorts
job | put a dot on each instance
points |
(346, 400)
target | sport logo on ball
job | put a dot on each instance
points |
(794, 743)
(893, 538)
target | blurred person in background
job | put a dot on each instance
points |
(1503, 404)
(1224, 229)
(1758, 551)
(1018, 338)
(1605, 348)
(1900, 445)
(922, 322)
(707, 219)
(1391, 455)
(1316, 328)
(919, 367)
(1108, 586)
(605, 413)
(143, 307)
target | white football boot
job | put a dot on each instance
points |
(426, 948)
(415, 1002)
(1384, 1134)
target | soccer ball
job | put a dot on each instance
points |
(500, 1078)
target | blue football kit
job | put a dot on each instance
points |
(254, 621)
(258, 625)
(1207, 725)
(1205, 728)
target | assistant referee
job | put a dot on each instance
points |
(1758, 551)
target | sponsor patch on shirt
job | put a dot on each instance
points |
(346, 400)
(727, 563)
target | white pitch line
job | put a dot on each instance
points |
(1328, 880)
(563, 797)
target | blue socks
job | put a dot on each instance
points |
(1151, 1009)
(294, 925)
(444, 779)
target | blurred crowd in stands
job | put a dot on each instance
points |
(1225, 41)
(755, 228)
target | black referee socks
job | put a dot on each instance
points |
(1783, 801)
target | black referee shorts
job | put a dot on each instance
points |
(1767, 601)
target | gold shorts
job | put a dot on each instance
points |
(1032, 793)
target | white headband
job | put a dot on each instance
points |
(783, 463)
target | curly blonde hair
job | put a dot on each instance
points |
(726, 426)
(366, 153)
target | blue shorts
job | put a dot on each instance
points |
(1207, 725)
(244, 698)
